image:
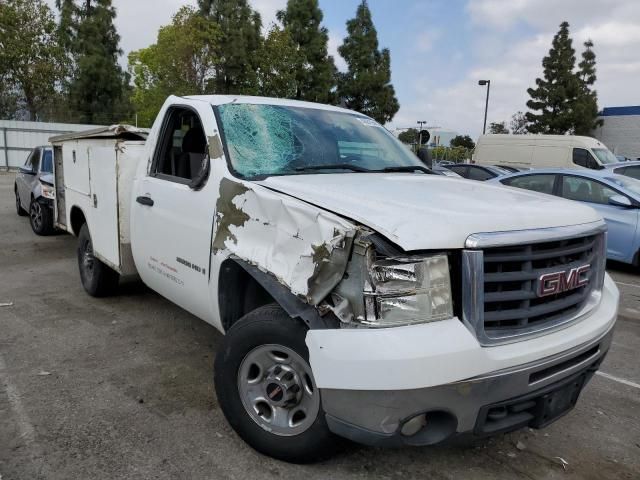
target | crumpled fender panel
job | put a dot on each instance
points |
(303, 246)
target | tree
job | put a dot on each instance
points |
(277, 66)
(237, 45)
(32, 63)
(409, 136)
(315, 70)
(498, 127)
(366, 86)
(556, 94)
(181, 62)
(98, 89)
(463, 141)
(519, 123)
(587, 104)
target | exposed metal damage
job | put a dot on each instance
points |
(305, 248)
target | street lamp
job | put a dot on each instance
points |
(420, 123)
(486, 104)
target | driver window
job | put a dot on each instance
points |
(33, 161)
(584, 159)
(182, 147)
(585, 190)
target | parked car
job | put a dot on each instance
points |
(477, 172)
(34, 190)
(512, 169)
(542, 151)
(359, 294)
(615, 197)
(630, 168)
(442, 170)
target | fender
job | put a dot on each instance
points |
(293, 305)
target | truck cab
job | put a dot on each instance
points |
(359, 295)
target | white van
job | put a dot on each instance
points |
(542, 151)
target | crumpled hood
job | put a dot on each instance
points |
(430, 211)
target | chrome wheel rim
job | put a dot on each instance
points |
(36, 215)
(277, 390)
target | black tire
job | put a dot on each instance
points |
(98, 279)
(19, 210)
(265, 326)
(41, 218)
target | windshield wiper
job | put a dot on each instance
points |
(411, 168)
(335, 166)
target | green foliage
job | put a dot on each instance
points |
(519, 124)
(498, 128)
(279, 58)
(181, 62)
(409, 136)
(237, 45)
(366, 86)
(556, 93)
(314, 69)
(586, 107)
(97, 89)
(564, 98)
(452, 154)
(32, 63)
(463, 141)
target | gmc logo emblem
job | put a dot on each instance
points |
(558, 282)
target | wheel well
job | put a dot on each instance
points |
(238, 293)
(77, 220)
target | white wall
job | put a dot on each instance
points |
(23, 136)
(621, 134)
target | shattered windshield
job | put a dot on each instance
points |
(265, 140)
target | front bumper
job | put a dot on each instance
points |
(373, 381)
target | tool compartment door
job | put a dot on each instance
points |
(103, 216)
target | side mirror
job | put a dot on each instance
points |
(620, 201)
(200, 178)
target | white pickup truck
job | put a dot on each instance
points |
(360, 295)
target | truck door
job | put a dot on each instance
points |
(172, 210)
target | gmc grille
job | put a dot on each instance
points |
(503, 299)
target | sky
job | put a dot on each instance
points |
(440, 49)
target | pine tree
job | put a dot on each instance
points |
(587, 103)
(556, 94)
(98, 89)
(315, 70)
(238, 46)
(366, 86)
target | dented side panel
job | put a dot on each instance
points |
(305, 248)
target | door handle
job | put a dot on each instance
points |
(145, 201)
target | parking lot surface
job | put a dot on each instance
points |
(122, 388)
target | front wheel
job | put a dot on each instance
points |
(266, 389)
(98, 279)
(41, 218)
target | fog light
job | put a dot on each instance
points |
(413, 425)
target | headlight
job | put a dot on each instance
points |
(408, 291)
(48, 191)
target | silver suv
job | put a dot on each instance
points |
(34, 190)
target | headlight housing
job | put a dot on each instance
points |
(47, 191)
(408, 291)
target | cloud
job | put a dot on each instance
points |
(335, 40)
(268, 10)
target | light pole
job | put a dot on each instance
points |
(486, 104)
(420, 123)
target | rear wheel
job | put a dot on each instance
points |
(98, 279)
(266, 389)
(41, 218)
(19, 210)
